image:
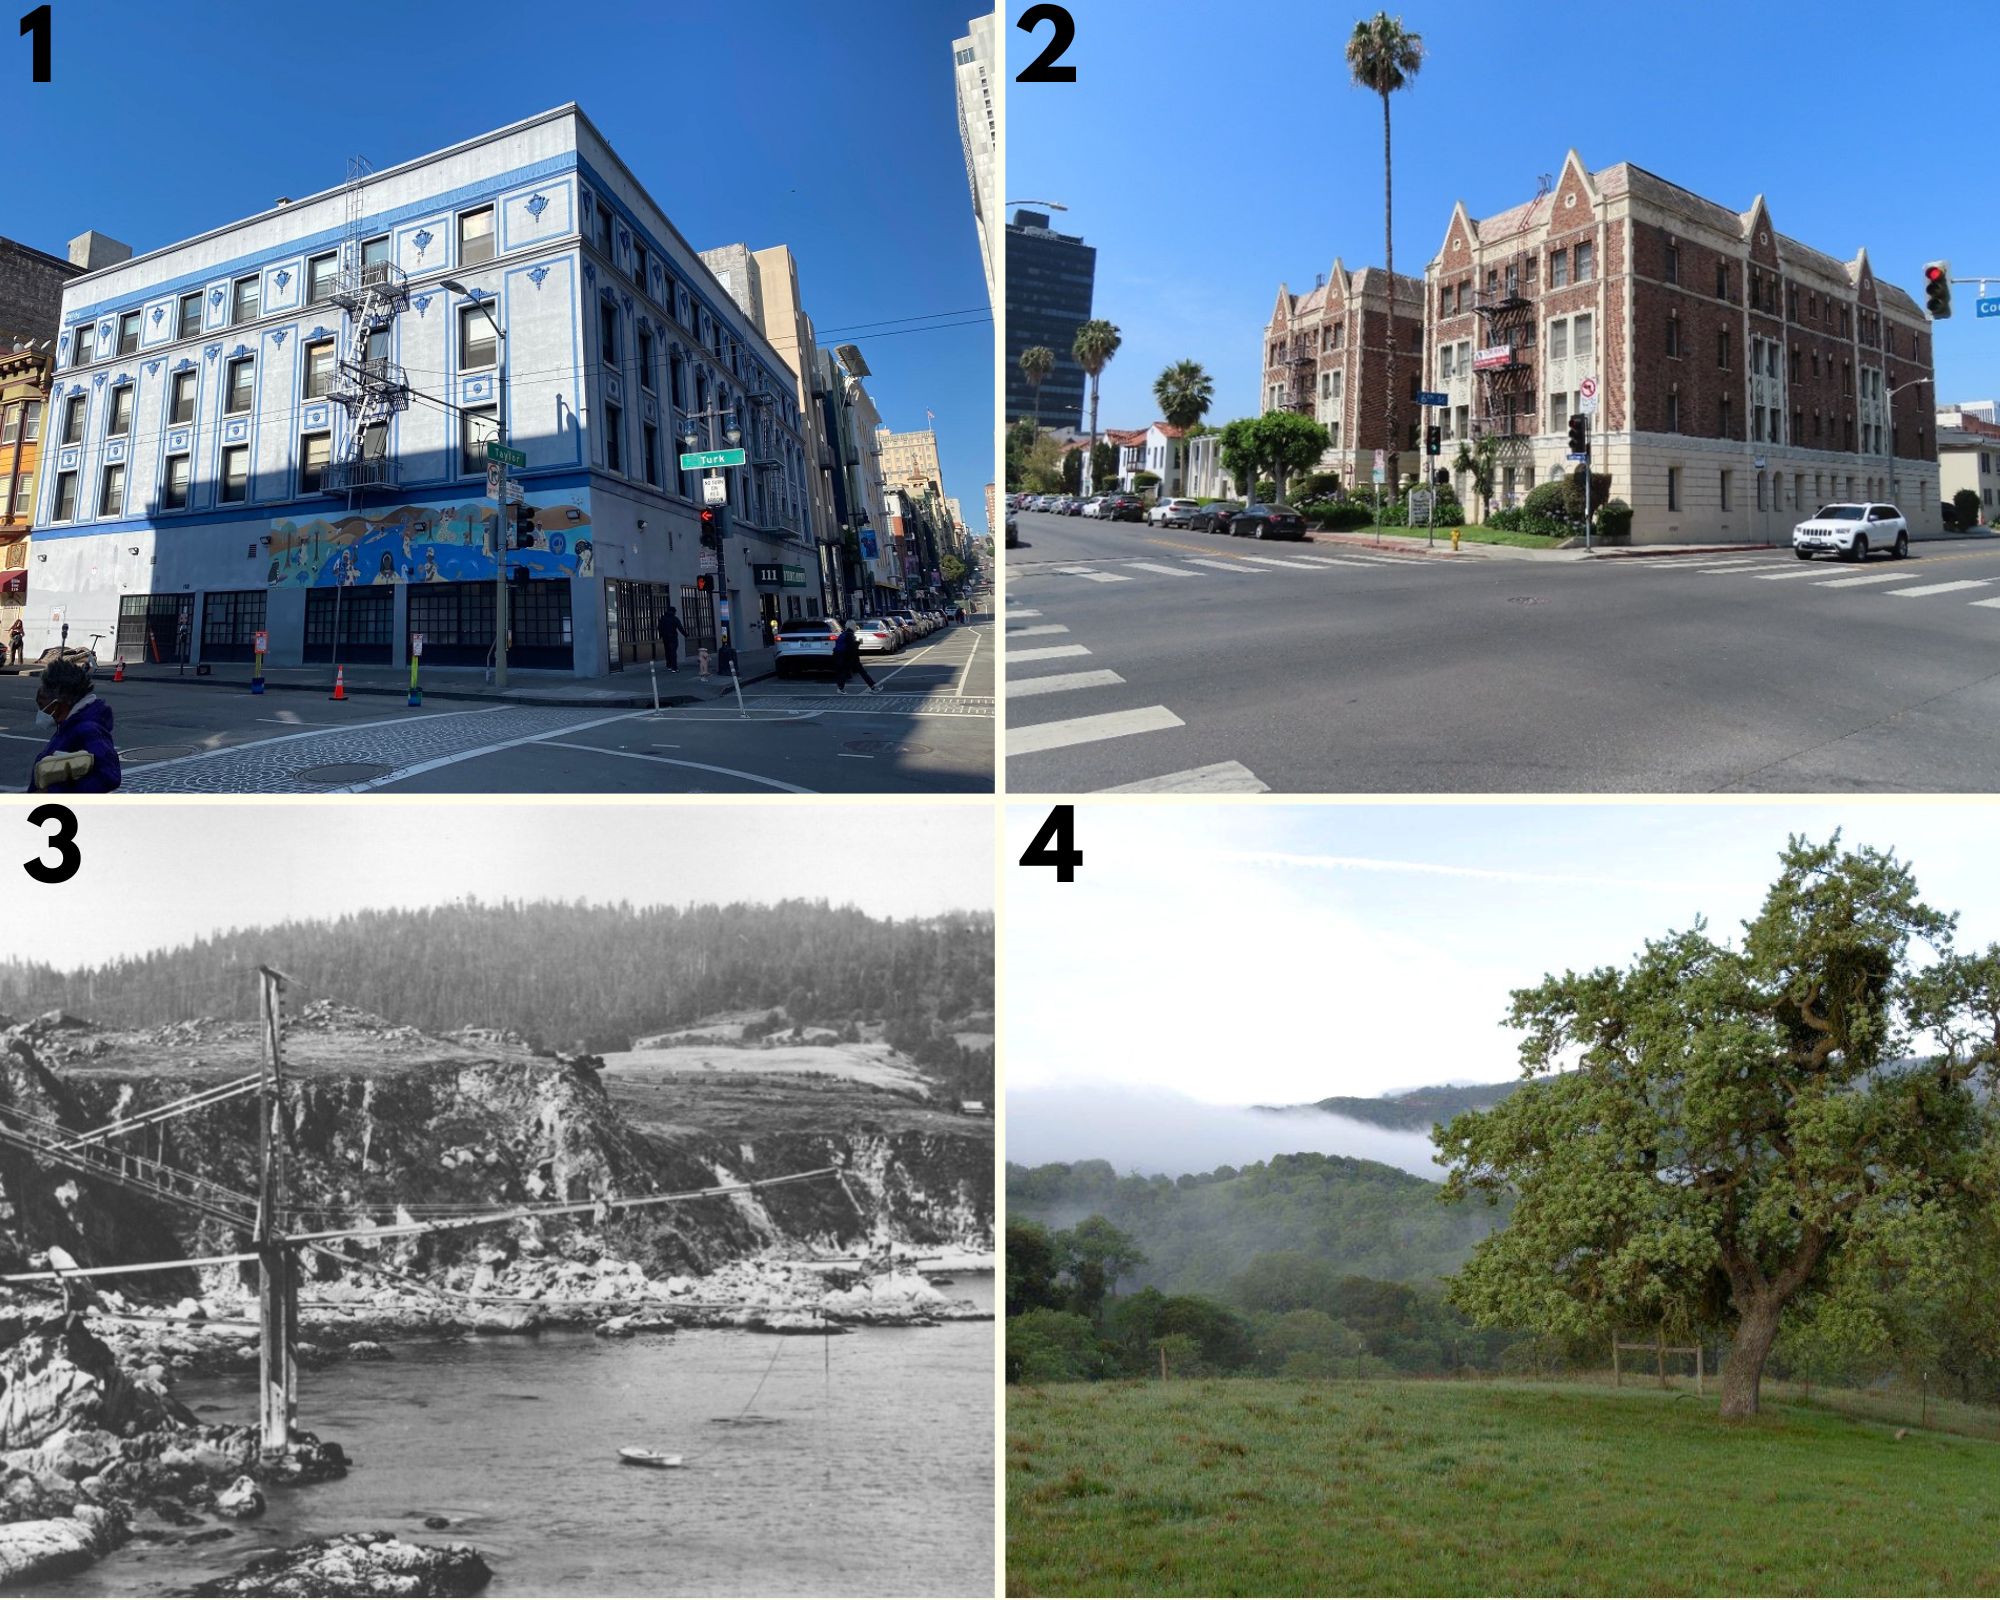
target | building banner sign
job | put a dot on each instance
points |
(1494, 355)
(870, 550)
(426, 544)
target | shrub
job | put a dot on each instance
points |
(1572, 486)
(1614, 519)
(1508, 520)
(1267, 491)
(1545, 500)
(1337, 516)
(1314, 486)
(1966, 503)
(1051, 1347)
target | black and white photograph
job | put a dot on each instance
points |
(499, 1198)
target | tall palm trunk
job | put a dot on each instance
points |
(1389, 260)
(1093, 433)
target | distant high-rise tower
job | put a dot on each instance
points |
(1050, 278)
(978, 131)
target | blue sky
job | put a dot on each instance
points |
(1278, 954)
(1212, 150)
(165, 120)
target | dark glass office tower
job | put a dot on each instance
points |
(1050, 276)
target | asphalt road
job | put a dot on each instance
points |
(1174, 662)
(930, 730)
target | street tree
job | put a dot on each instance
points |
(1384, 56)
(1728, 1132)
(1037, 362)
(1480, 459)
(1096, 343)
(1185, 392)
(1279, 442)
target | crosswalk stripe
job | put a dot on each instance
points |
(1236, 567)
(1728, 566)
(1049, 652)
(1873, 577)
(1171, 572)
(1943, 588)
(1088, 730)
(1273, 561)
(1780, 577)
(1016, 616)
(1223, 777)
(1343, 561)
(1058, 683)
(1986, 602)
(1039, 628)
(1105, 577)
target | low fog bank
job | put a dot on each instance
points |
(1156, 1131)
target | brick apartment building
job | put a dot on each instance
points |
(1744, 378)
(1325, 356)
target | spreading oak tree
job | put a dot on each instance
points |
(1722, 1134)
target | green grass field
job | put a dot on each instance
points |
(1269, 1487)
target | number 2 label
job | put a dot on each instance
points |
(1044, 68)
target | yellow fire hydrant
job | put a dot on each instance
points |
(1454, 541)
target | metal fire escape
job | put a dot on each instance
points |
(1301, 386)
(371, 388)
(1507, 401)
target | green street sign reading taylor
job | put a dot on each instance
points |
(695, 460)
(500, 452)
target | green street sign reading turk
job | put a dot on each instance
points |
(500, 452)
(695, 460)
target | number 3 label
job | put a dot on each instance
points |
(1044, 68)
(62, 841)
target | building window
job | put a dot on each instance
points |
(1673, 412)
(375, 441)
(111, 494)
(1847, 377)
(174, 486)
(475, 236)
(1726, 424)
(10, 425)
(477, 346)
(1559, 340)
(1582, 334)
(1722, 280)
(1798, 423)
(1584, 264)
(72, 429)
(65, 496)
(1444, 362)
(607, 331)
(1760, 491)
(676, 377)
(1444, 302)
(1722, 347)
(1798, 364)
(645, 358)
(1673, 335)
(652, 443)
(319, 369)
(128, 333)
(242, 382)
(190, 316)
(1558, 269)
(638, 263)
(121, 412)
(614, 434)
(248, 303)
(1673, 488)
(320, 271)
(1673, 263)
(1559, 412)
(315, 449)
(236, 474)
(86, 345)
(475, 427)
(180, 397)
(31, 423)
(375, 251)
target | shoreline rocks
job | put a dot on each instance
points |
(376, 1563)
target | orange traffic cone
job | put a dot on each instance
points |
(340, 683)
(118, 670)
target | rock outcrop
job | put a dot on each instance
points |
(53, 1547)
(60, 1376)
(358, 1564)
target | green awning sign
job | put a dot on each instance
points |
(776, 575)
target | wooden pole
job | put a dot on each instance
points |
(277, 1288)
(1163, 1363)
(1697, 1369)
(1660, 1351)
(1617, 1377)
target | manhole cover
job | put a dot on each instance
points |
(1524, 599)
(156, 752)
(343, 772)
(885, 747)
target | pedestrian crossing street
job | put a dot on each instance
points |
(1127, 569)
(1895, 579)
(1033, 689)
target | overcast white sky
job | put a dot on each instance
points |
(156, 875)
(1241, 955)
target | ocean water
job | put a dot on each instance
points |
(872, 1475)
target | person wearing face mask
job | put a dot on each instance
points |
(79, 757)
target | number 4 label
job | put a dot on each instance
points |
(1054, 845)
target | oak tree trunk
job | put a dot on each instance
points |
(1743, 1367)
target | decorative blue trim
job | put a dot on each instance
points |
(536, 274)
(240, 351)
(97, 378)
(422, 239)
(319, 331)
(422, 302)
(278, 336)
(536, 204)
(281, 277)
(158, 312)
(215, 297)
(153, 368)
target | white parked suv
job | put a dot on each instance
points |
(1852, 530)
(1166, 510)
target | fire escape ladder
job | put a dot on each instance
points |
(370, 388)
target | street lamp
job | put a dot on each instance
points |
(1890, 402)
(453, 286)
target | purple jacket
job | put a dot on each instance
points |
(88, 727)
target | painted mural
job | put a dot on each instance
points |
(426, 544)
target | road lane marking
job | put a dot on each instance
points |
(1018, 615)
(1057, 683)
(1235, 566)
(1089, 730)
(977, 637)
(1943, 588)
(1102, 577)
(452, 760)
(1040, 628)
(1780, 577)
(1224, 777)
(1873, 577)
(667, 761)
(1986, 602)
(1047, 652)
(1274, 561)
(1342, 561)
(1170, 572)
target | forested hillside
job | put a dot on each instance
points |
(1200, 1231)
(1417, 1109)
(568, 975)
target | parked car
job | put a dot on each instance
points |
(1093, 507)
(1184, 514)
(879, 636)
(908, 621)
(806, 643)
(1073, 506)
(1268, 522)
(1122, 508)
(1852, 530)
(1165, 511)
(1214, 517)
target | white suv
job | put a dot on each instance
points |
(1853, 531)
(1168, 510)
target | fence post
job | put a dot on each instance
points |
(1617, 1378)
(1163, 1363)
(1697, 1368)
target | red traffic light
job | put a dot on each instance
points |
(1932, 273)
(707, 513)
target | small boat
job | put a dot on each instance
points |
(632, 1455)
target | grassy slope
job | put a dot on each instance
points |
(1249, 1486)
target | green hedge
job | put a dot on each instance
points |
(1614, 519)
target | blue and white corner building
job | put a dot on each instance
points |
(280, 426)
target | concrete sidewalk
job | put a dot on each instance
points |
(632, 688)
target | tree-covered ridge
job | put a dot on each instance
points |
(1417, 1110)
(567, 973)
(1199, 1230)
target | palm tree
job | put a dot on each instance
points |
(1480, 458)
(1384, 57)
(1037, 362)
(1096, 343)
(1185, 393)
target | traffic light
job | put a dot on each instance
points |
(524, 526)
(1434, 440)
(1579, 434)
(1937, 289)
(711, 528)
(704, 583)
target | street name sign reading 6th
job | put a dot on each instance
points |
(1432, 397)
(696, 460)
(501, 452)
